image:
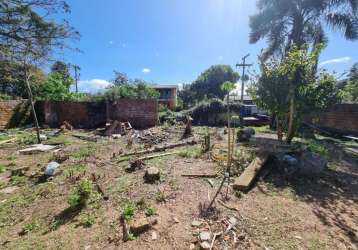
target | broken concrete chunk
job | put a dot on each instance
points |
(196, 223)
(154, 236)
(36, 148)
(43, 137)
(205, 236)
(152, 174)
(141, 225)
(205, 245)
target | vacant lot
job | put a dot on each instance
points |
(279, 212)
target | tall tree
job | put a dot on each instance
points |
(285, 23)
(61, 68)
(120, 78)
(28, 35)
(208, 84)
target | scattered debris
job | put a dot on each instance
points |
(152, 174)
(43, 137)
(196, 223)
(154, 235)
(51, 168)
(188, 130)
(9, 190)
(116, 136)
(8, 141)
(244, 181)
(205, 236)
(37, 148)
(135, 165)
(159, 149)
(66, 125)
(85, 137)
(19, 171)
(141, 225)
(244, 135)
(205, 245)
(198, 175)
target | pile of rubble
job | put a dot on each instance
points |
(222, 234)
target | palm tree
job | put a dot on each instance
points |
(287, 22)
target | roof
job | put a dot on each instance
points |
(165, 86)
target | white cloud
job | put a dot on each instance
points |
(92, 86)
(336, 60)
(146, 70)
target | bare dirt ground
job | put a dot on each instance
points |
(277, 213)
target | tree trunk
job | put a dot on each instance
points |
(32, 104)
(279, 129)
(290, 129)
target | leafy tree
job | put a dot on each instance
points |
(12, 79)
(29, 35)
(353, 74)
(208, 84)
(287, 22)
(61, 68)
(120, 78)
(56, 88)
(313, 93)
(137, 89)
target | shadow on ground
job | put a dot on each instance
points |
(332, 194)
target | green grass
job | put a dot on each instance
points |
(190, 152)
(2, 168)
(29, 227)
(74, 169)
(82, 153)
(119, 185)
(160, 196)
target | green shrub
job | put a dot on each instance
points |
(150, 211)
(128, 211)
(318, 148)
(80, 194)
(87, 220)
(28, 228)
(2, 168)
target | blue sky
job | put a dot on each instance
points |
(171, 41)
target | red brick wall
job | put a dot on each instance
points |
(342, 118)
(7, 111)
(78, 114)
(141, 113)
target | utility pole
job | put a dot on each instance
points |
(243, 65)
(77, 75)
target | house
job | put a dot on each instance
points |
(168, 95)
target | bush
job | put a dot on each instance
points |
(128, 211)
(80, 194)
(87, 220)
(150, 211)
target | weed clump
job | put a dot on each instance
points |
(80, 195)
(128, 211)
